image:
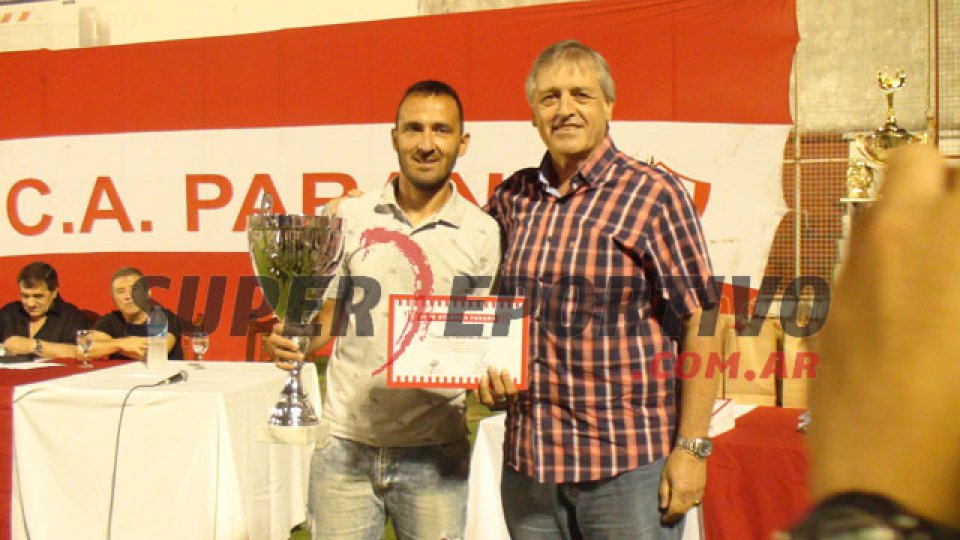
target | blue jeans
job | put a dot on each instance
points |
(622, 507)
(354, 487)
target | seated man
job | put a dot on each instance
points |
(41, 323)
(122, 333)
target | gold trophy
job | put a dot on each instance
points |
(875, 147)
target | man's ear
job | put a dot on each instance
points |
(608, 110)
(464, 143)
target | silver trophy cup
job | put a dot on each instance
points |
(294, 257)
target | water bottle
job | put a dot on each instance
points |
(156, 338)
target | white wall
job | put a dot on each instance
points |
(842, 43)
(115, 22)
(129, 21)
(40, 25)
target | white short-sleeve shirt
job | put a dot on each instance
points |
(381, 247)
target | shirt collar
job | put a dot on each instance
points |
(450, 213)
(590, 171)
(56, 305)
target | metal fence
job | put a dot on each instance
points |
(815, 161)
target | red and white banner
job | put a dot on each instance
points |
(152, 155)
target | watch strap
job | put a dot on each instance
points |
(867, 515)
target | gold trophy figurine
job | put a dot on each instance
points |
(859, 181)
(876, 146)
(863, 174)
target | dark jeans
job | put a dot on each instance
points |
(619, 508)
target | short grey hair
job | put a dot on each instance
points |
(571, 51)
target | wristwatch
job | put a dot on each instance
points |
(700, 447)
(38, 347)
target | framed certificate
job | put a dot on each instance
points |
(449, 342)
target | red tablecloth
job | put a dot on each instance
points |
(9, 379)
(757, 477)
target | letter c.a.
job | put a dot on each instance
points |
(13, 212)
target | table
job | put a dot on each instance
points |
(9, 379)
(484, 511)
(757, 477)
(190, 463)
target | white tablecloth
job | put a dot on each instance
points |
(191, 464)
(484, 511)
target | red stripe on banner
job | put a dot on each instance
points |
(85, 281)
(23, 16)
(685, 60)
(6, 18)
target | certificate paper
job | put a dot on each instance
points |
(439, 342)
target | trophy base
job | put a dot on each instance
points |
(293, 414)
(293, 409)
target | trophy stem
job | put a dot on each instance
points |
(294, 409)
(891, 116)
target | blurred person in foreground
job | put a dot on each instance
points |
(41, 323)
(885, 434)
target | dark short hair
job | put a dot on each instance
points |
(37, 272)
(430, 87)
(125, 271)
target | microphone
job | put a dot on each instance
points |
(181, 376)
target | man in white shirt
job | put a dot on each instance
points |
(401, 453)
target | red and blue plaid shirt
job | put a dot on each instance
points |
(610, 270)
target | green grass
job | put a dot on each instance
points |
(475, 413)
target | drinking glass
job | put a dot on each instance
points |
(84, 343)
(199, 342)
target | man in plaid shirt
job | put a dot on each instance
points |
(607, 442)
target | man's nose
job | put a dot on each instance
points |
(427, 141)
(565, 105)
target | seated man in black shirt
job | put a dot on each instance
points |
(41, 323)
(122, 333)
